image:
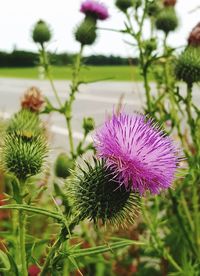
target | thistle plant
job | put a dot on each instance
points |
(23, 152)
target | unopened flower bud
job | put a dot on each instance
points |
(187, 66)
(88, 124)
(86, 32)
(63, 165)
(167, 20)
(24, 146)
(41, 32)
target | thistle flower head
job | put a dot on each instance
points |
(187, 67)
(24, 147)
(167, 20)
(94, 9)
(41, 32)
(99, 197)
(194, 37)
(32, 99)
(135, 147)
(168, 3)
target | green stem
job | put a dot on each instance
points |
(181, 223)
(22, 242)
(45, 64)
(74, 89)
(157, 244)
(64, 236)
(22, 232)
(143, 63)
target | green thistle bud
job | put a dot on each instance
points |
(24, 148)
(63, 165)
(152, 8)
(150, 45)
(124, 5)
(167, 20)
(86, 32)
(99, 197)
(88, 124)
(41, 32)
(187, 66)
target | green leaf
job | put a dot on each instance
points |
(32, 209)
(4, 262)
(104, 248)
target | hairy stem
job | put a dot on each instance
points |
(45, 64)
(74, 89)
(64, 236)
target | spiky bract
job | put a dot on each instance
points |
(123, 5)
(86, 32)
(24, 146)
(187, 66)
(167, 20)
(98, 195)
(41, 32)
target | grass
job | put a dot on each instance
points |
(115, 73)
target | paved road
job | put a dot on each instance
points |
(96, 100)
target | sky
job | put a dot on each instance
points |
(17, 18)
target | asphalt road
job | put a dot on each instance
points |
(96, 100)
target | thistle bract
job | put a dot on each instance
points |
(94, 9)
(123, 5)
(24, 148)
(98, 196)
(41, 32)
(187, 66)
(138, 150)
(153, 7)
(86, 32)
(167, 20)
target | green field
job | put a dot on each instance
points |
(115, 73)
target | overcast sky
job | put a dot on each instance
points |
(17, 17)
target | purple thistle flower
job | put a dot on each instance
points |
(96, 9)
(142, 155)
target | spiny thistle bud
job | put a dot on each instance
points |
(24, 146)
(41, 32)
(32, 100)
(124, 5)
(150, 45)
(86, 32)
(99, 197)
(187, 66)
(88, 124)
(63, 165)
(152, 7)
(168, 3)
(167, 20)
(194, 37)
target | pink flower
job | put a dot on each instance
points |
(142, 155)
(95, 9)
